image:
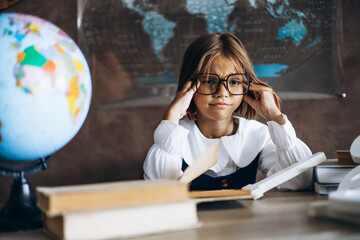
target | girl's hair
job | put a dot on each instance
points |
(201, 53)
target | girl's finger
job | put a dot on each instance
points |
(188, 85)
(257, 87)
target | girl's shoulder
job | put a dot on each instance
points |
(186, 123)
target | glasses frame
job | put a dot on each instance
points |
(246, 90)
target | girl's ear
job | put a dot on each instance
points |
(191, 112)
(191, 115)
(192, 106)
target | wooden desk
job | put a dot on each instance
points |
(278, 215)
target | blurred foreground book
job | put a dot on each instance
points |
(55, 200)
(120, 209)
(123, 222)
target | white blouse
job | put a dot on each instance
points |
(277, 144)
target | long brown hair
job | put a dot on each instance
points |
(202, 51)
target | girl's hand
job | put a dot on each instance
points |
(179, 107)
(264, 104)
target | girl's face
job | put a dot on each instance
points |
(221, 105)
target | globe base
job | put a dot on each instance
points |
(20, 212)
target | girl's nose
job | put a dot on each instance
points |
(222, 91)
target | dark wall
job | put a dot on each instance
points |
(113, 142)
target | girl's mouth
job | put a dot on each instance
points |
(219, 105)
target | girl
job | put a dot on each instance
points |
(216, 80)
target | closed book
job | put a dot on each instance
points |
(325, 188)
(331, 172)
(56, 200)
(123, 222)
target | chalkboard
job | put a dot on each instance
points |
(136, 46)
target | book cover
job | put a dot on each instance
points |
(220, 193)
(344, 157)
(56, 200)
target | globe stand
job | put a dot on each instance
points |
(20, 211)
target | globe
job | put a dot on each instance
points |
(45, 88)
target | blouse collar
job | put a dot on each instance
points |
(241, 147)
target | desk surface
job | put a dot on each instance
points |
(278, 215)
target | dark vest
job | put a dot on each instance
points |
(237, 180)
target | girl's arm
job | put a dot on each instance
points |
(281, 151)
(284, 148)
(164, 160)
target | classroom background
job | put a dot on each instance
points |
(113, 142)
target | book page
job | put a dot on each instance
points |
(201, 164)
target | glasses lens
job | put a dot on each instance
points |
(207, 83)
(235, 84)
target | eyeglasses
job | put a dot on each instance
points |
(209, 83)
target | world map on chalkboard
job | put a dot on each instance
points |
(294, 45)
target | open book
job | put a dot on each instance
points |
(251, 191)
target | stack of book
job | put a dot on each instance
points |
(117, 209)
(329, 174)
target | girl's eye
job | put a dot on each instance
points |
(235, 82)
(211, 81)
(208, 82)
